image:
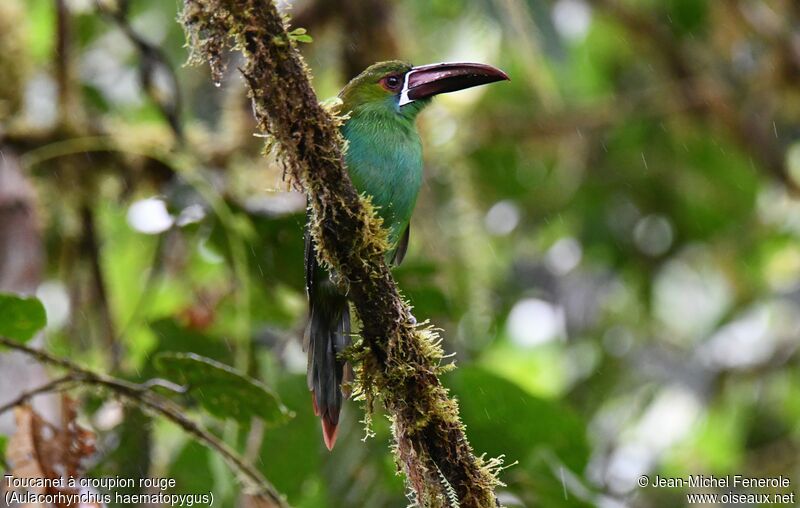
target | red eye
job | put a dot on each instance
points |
(391, 83)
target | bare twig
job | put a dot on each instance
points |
(92, 249)
(52, 386)
(142, 396)
(61, 57)
(151, 60)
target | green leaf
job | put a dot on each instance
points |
(504, 419)
(221, 390)
(541, 434)
(688, 18)
(300, 35)
(174, 337)
(191, 468)
(300, 440)
(20, 317)
(133, 454)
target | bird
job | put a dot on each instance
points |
(383, 158)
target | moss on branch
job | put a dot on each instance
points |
(398, 361)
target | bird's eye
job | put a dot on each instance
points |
(391, 83)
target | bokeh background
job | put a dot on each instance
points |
(609, 242)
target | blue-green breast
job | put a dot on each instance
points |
(384, 159)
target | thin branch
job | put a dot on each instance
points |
(61, 57)
(71, 116)
(143, 397)
(52, 386)
(91, 247)
(398, 360)
(151, 59)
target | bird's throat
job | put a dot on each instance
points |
(384, 159)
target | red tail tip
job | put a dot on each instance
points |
(329, 433)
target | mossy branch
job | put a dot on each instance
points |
(398, 361)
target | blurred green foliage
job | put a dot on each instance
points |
(609, 242)
(221, 390)
(22, 317)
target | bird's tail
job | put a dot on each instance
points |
(327, 334)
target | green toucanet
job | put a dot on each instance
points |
(384, 160)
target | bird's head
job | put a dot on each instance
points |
(400, 88)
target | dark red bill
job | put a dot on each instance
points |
(429, 80)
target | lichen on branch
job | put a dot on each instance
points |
(398, 361)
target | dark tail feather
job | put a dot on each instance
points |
(329, 433)
(328, 333)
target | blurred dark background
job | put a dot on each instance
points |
(609, 241)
